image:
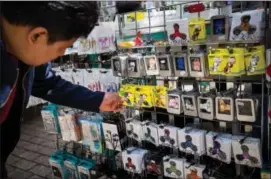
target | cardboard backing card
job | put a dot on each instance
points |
(192, 141)
(206, 107)
(133, 159)
(151, 65)
(173, 167)
(174, 103)
(220, 27)
(219, 146)
(180, 66)
(196, 64)
(224, 108)
(136, 66)
(150, 131)
(197, 30)
(247, 151)
(192, 171)
(255, 60)
(134, 129)
(167, 136)
(111, 136)
(189, 103)
(119, 65)
(165, 65)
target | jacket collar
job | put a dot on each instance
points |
(8, 74)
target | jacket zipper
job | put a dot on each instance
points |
(23, 93)
(11, 89)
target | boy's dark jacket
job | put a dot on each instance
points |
(43, 83)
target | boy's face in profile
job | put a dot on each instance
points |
(31, 44)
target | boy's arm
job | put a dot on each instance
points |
(53, 88)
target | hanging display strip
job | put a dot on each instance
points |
(191, 145)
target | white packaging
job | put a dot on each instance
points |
(165, 66)
(150, 131)
(174, 104)
(206, 109)
(173, 167)
(224, 108)
(111, 136)
(196, 64)
(245, 109)
(177, 31)
(168, 136)
(189, 103)
(151, 65)
(180, 66)
(193, 171)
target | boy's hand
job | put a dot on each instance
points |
(112, 102)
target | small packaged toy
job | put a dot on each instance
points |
(85, 167)
(174, 102)
(219, 146)
(50, 118)
(180, 66)
(206, 107)
(193, 171)
(197, 29)
(196, 64)
(189, 102)
(246, 109)
(112, 138)
(220, 27)
(70, 128)
(70, 163)
(151, 65)
(216, 60)
(150, 131)
(160, 93)
(235, 62)
(119, 65)
(136, 66)
(165, 66)
(173, 167)
(168, 136)
(56, 162)
(255, 60)
(154, 163)
(134, 129)
(192, 141)
(127, 93)
(177, 31)
(133, 159)
(247, 151)
(224, 108)
(144, 97)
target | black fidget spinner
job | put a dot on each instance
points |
(167, 138)
(216, 150)
(148, 135)
(246, 155)
(131, 132)
(188, 144)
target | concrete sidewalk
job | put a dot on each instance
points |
(29, 160)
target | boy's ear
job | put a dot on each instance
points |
(37, 35)
(128, 6)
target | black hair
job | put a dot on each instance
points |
(176, 25)
(63, 20)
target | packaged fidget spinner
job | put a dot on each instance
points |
(224, 108)
(167, 136)
(219, 146)
(150, 131)
(127, 93)
(70, 163)
(189, 103)
(255, 60)
(247, 151)
(144, 97)
(216, 60)
(154, 164)
(206, 107)
(192, 141)
(165, 66)
(151, 65)
(234, 62)
(173, 167)
(196, 64)
(119, 65)
(134, 129)
(174, 102)
(219, 27)
(133, 159)
(197, 30)
(160, 95)
(246, 109)
(180, 66)
(136, 66)
(192, 171)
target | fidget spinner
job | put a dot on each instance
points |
(129, 164)
(173, 169)
(112, 138)
(245, 26)
(253, 63)
(206, 106)
(188, 144)
(148, 135)
(188, 105)
(246, 155)
(130, 131)
(167, 138)
(153, 168)
(216, 150)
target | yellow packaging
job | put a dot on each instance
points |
(235, 62)
(197, 29)
(160, 93)
(216, 61)
(255, 60)
(144, 96)
(127, 92)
